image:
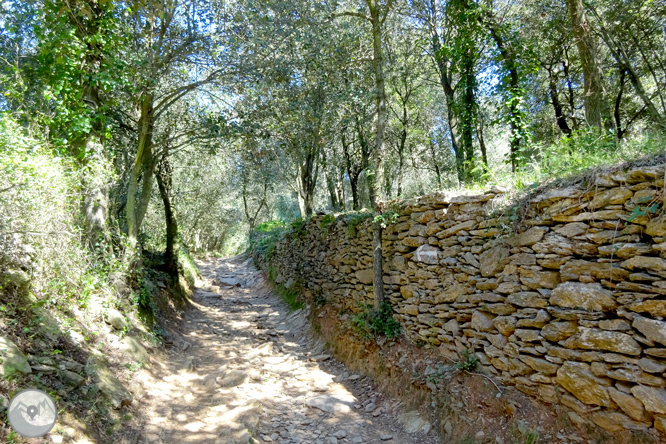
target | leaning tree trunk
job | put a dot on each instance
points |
(142, 170)
(560, 118)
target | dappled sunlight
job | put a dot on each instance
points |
(250, 369)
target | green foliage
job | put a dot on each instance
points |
(267, 234)
(372, 323)
(439, 373)
(77, 63)
(532, 437)
(468, 361)
(645, 211)
(269, 226)
(353, 220)
(143, 297)
(39, 202)
(297, 228)
(325, 223)
(291, 296)
(189, 268)
(134, 366)
(571, 156)
(386, 218)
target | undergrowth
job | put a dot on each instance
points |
(468, 361)
(353, 220)
(290, 295)
(372, 322)
(569, 156)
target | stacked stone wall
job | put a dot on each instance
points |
(569, 307)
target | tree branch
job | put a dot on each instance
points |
(389, 5)
(351, 14)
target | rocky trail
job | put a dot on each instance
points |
(248, 370)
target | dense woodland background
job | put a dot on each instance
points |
(156, 124)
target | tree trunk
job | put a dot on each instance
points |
(330, 183)
(352, 172)
(438, 173)
(620, 56)
(469, 113)
(595, 90)
(557, 106)
(142, 170)
(306, 190)
(401, 166)
(163, 176)
(377, 176)
(570, 90)
(332, 192)
(356, 198)
(507, 52)
(449, 93)
(342, 198)
(618, 102)
(482, 143)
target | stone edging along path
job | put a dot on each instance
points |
(569, 307)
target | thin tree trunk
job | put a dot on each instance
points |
(449, 93)
(401, 166)
(469, 114)
(163, 176)
(557, 106)
(377, 176)
(646, 59)
(620, 56)
(570, 90)
(438, 173)
(332, 192)
(352, 172)
(342, 198)
(618, 102)
(482, 143)
(330, 183)
(507, 52)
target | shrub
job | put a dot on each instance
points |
(40, 224)
(468, 361)
(353, 220)
(325, 223)
(372, 322)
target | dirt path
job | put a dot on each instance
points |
(249, 371)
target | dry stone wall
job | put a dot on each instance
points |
(569, 308)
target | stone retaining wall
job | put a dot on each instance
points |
(568, 308)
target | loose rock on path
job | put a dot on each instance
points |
(248, 370)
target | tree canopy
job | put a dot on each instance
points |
(249, 111)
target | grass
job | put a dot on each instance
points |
(290, 296)
(190, 270)
(569, 157)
